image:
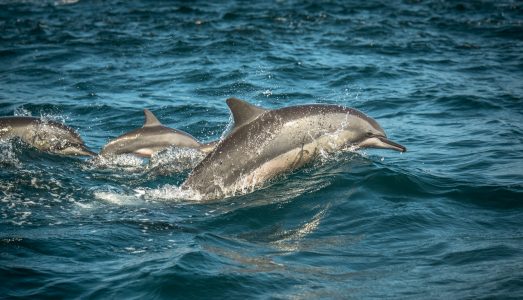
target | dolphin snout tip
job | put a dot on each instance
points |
(381, 142)
(84, 151)
(92, 153)
(394, 146)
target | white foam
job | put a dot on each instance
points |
(117, 198)
(168, 192)
(127, 163)
(83, 205)
(65, 2)
(171, 160)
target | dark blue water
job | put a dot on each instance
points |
(443, 220)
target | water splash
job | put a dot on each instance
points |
(22, 112)
(126, 162)
(170, 161)
(8, 155)
(174, 160)
(168, 192)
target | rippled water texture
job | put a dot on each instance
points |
(443, 220)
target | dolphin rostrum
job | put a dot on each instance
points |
(265, 143)
(151, 138)
(45, 135)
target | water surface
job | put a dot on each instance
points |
(443, 220)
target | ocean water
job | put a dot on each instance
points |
(443, 220)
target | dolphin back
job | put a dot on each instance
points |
(151, 138)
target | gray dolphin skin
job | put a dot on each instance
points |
(45, 135)
(266, 143)
(151, 138)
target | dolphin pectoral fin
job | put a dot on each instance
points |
(300, 159)
(381, 142)
(144, 152)
(243, 112)
(150, 119)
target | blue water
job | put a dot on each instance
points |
(443, 220)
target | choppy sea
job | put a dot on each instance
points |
(441, 221)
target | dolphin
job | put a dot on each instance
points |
(45, 135)
(151, 138)
(266, 143)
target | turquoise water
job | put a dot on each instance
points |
(443, 220)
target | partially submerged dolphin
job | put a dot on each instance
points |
(45, 135)
(151, 138)
(265, 143)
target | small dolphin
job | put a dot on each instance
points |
(151, 138)
(265, 143)
(45, 135)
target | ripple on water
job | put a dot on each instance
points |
(441, 220)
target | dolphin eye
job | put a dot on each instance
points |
(62, 145)
(369, 134)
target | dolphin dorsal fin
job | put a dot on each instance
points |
(150, 119)
(243, 112)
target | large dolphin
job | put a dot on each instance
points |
(45, 135)
(151, 138)
(265, 143)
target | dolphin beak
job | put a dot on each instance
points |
(84, 151)
(381, 142)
